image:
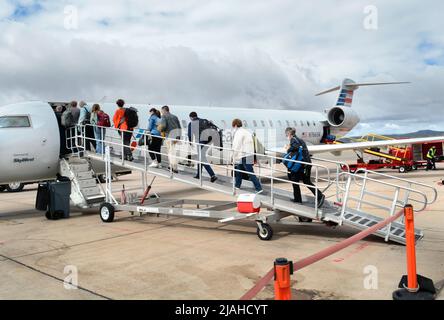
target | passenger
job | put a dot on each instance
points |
(75, 112)
(58, 112)
(155, 143)
(304, 173)
(70, 118)
(431, 159)
(243, 155)
(99, 127)
(170, 126)
(195, 129)
(85, 120)
(120, 123)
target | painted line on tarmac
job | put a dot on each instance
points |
(51, 276)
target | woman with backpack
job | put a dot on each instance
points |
(155, 143)
(100, 121)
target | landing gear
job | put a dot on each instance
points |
(2, 188)
(107, 212)
(303, 219)
(15, 187)
(264, 231)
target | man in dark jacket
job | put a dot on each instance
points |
(194, 135)
(304, 173)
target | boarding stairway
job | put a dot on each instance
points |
(348, 208)
(86, 191)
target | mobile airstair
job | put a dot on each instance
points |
(358, 200)
(86, 190)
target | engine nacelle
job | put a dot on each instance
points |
(342, 119)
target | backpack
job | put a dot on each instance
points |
(87, 119)
(132, 119)
(68, 119)
(305, 153)
(205, 124)
(298, 156)
(103, 120)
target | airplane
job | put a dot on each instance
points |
(30, 141)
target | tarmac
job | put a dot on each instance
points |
(182, 258)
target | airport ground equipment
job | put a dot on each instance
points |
(403, 158)
(359, 210)
(86, 190)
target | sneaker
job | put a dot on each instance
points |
(154, 164)
(196, 177)
(260, 191)
(213, 179)
(321, 201)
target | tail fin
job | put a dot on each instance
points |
(347, 89)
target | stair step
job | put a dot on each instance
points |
(83, 167)
(84, 175)
(96, 199)
(92, 191)
(87, 183)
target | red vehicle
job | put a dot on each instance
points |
(406, 158)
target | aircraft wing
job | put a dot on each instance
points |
(370, 144)
(337, 148)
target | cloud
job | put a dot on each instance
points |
(229, 54)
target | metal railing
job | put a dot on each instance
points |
(399, 195)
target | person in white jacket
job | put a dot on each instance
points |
(243, 155)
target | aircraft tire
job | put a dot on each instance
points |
(2, 188)
(15, 187)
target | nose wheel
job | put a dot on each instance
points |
(264, 231)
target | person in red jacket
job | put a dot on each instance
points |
(121, 124)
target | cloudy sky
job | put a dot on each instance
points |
(230, 53)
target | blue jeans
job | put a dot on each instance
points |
(245, 165)
(100, 148)
(203, 158)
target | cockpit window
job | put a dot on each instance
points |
(15, 122)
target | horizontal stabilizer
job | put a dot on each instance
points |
(353, 86)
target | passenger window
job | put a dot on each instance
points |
(263, 123)
(314, 123)
(302, 123)
(245, 124)
(271, 123)
(295, 123)
(279, 123)
(254, 123)
(288, 124)
(15, 122)
(184, 123)
(308, 123)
